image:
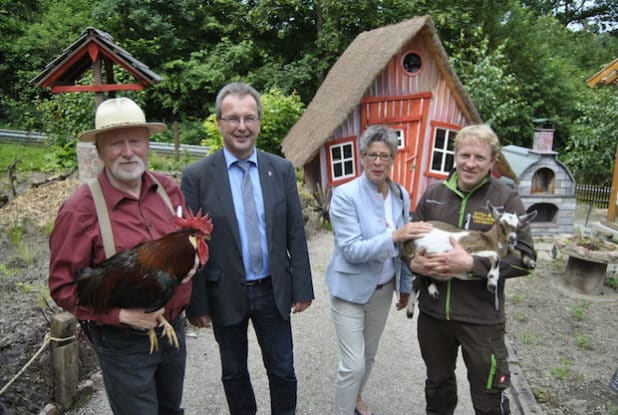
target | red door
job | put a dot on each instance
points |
(407, 115)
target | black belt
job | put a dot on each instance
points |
(124, 329)
(257, 282)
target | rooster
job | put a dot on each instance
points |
(146, 276)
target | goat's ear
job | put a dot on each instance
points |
(526, 219)
(494, 211)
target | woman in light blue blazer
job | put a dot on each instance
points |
(370, 219)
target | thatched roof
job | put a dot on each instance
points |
(356, 69)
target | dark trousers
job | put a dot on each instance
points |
(485, 355)
(136, 381)
(274, 335)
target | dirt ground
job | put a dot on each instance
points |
(565, 341)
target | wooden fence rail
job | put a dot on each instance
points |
(590, 194)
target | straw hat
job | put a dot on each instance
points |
(117, 113)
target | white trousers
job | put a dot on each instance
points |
(359, 328)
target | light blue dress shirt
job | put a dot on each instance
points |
(235, 174)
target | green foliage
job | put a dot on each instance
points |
(214, 139)
(32, 158)
(563, 371)
(279, 114)
(593, 137)
(168, 163)
(579, 309)
(40, 32)
(518, 59)
(527, 339)
(495, 91)
(516, 298)
(16, 235)
(7, 271)
(583, 341)
(47, 228)
(612, 282)
(520, 317)
(189, 132)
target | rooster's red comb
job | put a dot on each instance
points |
(198, 222)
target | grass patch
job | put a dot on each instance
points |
(579, 309)
(527, 339)
(563, 371)
(520, 317)
(516, 298)
(583, 341)
(32, 157)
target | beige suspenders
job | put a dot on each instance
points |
(105, 224)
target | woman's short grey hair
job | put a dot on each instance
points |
(381, 134)
(237, 88)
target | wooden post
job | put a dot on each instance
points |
(613, 194)
(176, 135)
(65, 359)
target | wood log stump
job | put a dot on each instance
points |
(587, 264)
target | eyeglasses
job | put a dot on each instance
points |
(383, 156)
(235, 121)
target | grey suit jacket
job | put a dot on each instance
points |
(218, 289)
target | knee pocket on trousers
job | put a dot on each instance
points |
(499, 376)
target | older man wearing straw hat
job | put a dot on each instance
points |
(132, 205)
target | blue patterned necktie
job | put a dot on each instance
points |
(251, 219)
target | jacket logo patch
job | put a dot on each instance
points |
(482, 218)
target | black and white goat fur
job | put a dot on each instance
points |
(493, 244)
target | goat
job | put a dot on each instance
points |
(493, 244)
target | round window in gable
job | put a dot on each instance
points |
(412, 63)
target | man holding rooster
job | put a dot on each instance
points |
(118, 263)
(258, 269)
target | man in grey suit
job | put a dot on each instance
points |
(256, 273)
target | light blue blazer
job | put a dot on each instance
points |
(362, 241)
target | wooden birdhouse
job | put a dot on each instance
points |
(94, 51)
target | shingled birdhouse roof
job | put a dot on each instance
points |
(95, 50)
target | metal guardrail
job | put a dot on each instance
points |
(26, 137)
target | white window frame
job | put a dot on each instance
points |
(444, 151)
(342, 161)
(402, 138)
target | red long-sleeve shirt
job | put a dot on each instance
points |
(76, 241)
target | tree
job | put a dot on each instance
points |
(593, 138)
(495, 91)
(279, 114)
(41, 30)
(590, 15)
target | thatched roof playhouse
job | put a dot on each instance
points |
(397, 75)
